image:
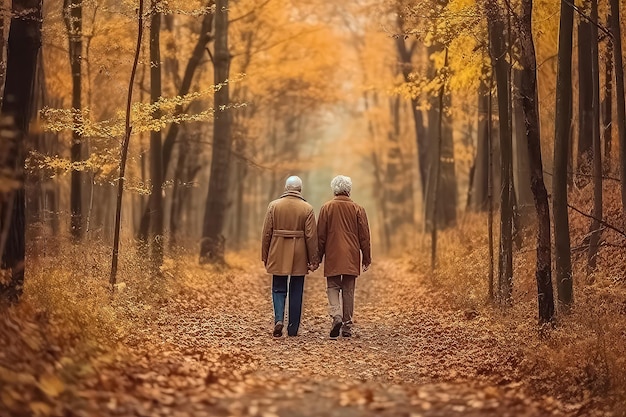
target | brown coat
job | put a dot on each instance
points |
(343, 235)
(289, 236)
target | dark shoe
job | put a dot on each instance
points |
(278, 329)
(337, 323)
(292, 330)
(346, 329)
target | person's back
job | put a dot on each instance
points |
(344, 237)
(289, 251)
(292, 220)
(346, 232)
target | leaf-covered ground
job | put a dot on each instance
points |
(208, 351)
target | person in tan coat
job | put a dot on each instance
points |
(289, 251)
(344, 243)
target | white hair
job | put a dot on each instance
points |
(341, 185)
(293, 183)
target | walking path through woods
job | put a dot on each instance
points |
(210, 352)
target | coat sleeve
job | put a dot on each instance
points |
(268, 229)
(310, 236)
(364, 236)
(321, 233)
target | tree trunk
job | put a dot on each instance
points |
(72, 15)
(528, 92)
(607, 126)
(490, 187)
(563, 119)
(176, 193)
(595, 228)
(22, 51)
(3, 62)
(621, 105)
(156, 151)
(213, 242)
(421, 141)
(585, 97)
(168, 144)
(481, 172)
(437, 171)
(124, 150)
(447, 189)
(521, 172)
(497, 34)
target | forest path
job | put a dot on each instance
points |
(210, 352)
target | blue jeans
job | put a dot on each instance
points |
(279, 295)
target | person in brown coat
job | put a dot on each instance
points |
(289, 249)
(344, 240)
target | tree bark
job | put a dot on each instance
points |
(213, 242)
(585, 97)
(595, 228)
(563, 119)
(156, 151)
(73, 17)
(497, 34)
(607, 124)
(621, 105)
(530, 105)
(17, 108)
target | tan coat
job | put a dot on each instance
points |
(343, 234)
(289, 236)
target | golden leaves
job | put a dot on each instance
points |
(51, 385)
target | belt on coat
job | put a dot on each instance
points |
(288, 233)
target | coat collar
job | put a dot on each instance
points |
(342, 197)
(296, 194)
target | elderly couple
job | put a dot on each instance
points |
(293, 245)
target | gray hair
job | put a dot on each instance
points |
(293, 183)
(341, 185)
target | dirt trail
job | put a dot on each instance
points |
(210, 352)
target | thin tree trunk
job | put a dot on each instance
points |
(490, 186)
(213, 242)
(17, 107)
(621, 105)
(563, 119)
(437, 171)
(585, 97)
(608, 104)
(156, 151)
(73, 17)
(124, 153)
(3, 62)
(530, 105)
(498, 55)
(595, 229)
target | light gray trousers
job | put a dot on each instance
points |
(344, 284)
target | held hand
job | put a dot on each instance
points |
(366, 267)
(313, 267)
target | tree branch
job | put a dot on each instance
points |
(602, 222)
